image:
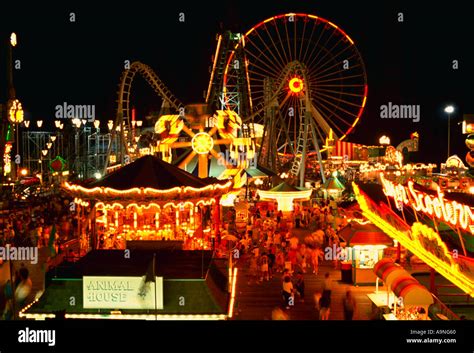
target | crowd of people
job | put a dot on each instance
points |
(271, 249)
(33, 225)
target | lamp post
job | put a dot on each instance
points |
(15, 116)
(43, 154)
(449, 110)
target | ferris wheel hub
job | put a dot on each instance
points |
(296, 85)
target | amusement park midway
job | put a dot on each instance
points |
(283, 193)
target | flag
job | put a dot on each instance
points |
(52, 238)
(148, 277)
(150, 273)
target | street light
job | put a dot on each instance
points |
(27, 123)
(110, 124)
(57, 123)
(449, 109)
(139, 123)
(39, 123)
(53, 138)
(384, 140)
(13, 40)
(97, 124)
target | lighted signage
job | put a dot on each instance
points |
(101, 292)
(451, 212)
(419, 239)
(7, 162)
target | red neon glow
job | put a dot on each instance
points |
(295, 17)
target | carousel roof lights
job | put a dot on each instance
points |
(146, 191)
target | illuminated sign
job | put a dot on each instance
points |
(419, 239)
(447, 211)
(101, 292)
(7, 162)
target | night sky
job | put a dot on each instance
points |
(81, 62)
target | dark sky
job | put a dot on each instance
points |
(81, 62)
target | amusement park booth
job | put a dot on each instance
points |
(149, 285)
(405, 297)
(365, 244)
(151, 200)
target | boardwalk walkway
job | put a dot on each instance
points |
(256, 301)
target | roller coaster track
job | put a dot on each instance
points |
(125, 86)
(123, 102)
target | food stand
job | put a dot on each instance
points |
(405, 298)
(365, 244)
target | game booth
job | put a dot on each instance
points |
(364, 244)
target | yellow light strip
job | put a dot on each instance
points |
(213, 67)
(150, 317)
(146, 191)
(232, 294)
(450, 272)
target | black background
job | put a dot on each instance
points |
(81, 62)
(237, 336)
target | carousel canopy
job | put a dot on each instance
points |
(284, 194)
(285, 187)
(150, 179)
(149, 172)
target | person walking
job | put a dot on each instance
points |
(280, 261)
(287, 292)
(264, 268)
(349, 305)
(299, 285)
(316, 255)
(327, 285)
(325, 306)
(253, 269)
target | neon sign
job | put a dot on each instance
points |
(419, 239)
(7, 159)
(447, 211)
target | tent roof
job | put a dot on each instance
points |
(334, 184)
(364, 234)
(285, 187)
(149, 172)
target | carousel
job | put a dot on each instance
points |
(149, 202)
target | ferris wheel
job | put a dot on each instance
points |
(295, 70)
